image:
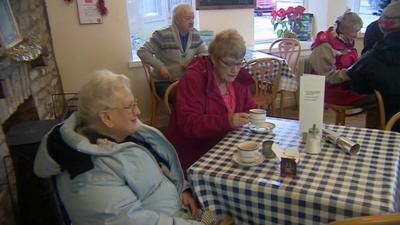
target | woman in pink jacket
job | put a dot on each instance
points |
(212, 98)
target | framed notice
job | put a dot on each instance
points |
(224, 4)
(88, 12)
(312, 94)
(9, 32)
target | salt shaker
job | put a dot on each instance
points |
(313, 143)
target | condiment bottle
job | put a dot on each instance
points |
(313, 143)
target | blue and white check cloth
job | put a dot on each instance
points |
(329, 186)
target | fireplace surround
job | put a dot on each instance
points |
(26, 89)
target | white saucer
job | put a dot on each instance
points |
(258, 161)
(265, 128)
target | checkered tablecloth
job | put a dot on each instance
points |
(289, 81)
(329, 186)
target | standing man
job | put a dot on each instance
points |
(171, 49)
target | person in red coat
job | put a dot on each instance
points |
(333, 52)
(212, 98)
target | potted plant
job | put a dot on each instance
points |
(287, 22)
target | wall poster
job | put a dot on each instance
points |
(88, 12)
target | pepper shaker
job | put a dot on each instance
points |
(313, 143)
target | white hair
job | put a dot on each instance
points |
(349, 20)
(99, 93)
(179, 10)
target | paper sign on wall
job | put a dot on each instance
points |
(88, 12)
(312, 93)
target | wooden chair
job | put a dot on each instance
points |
(392, 121)
(288, 49)
(381, 109)
(64, 104)
(155, 98)
(169, 96)
(227, 221)
(266, 73)
(343, 111)
(388, 219)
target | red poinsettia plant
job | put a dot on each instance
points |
(287, 22)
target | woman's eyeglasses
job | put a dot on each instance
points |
(233, 65)
(131, 106)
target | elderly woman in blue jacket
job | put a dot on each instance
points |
(109, 167)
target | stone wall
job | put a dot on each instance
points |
(22, 80)
(37, 80)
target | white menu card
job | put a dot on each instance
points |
(312, 92)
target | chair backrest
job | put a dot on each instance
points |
(381, 109)
(148, 70)
(388, 219)
(389, 125)
(169, 96)
(288, 49)
(69, 105)
(266, 73)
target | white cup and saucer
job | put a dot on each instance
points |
(258, 123)
(248, 154)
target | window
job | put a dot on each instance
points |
(146, 16)
(263, 29)
(366, 10)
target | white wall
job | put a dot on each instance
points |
(320, 9)
(326, 11)
(82, 49)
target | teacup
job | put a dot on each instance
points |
(257, 117)
(248, 151)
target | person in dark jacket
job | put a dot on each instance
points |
(372, 35)
(380, 67)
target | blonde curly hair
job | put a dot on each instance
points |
(227, 43)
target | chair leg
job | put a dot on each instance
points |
(281, 103)
(154, 111)
(296, 99)
(342, 117)
(337, 115)
(273, 109)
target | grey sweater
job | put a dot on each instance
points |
(165, 49)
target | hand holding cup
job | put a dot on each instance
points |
(238, 119)
(257, 117)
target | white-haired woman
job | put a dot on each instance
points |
(333, 52)
(109, 167)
